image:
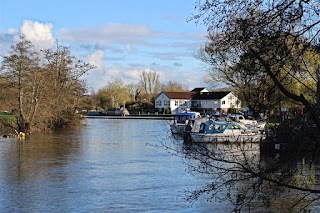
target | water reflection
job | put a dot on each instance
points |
(255, 177)
(104, 166)
(123, 166)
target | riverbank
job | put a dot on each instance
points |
(7, 121)
(145, 116)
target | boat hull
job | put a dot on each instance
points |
(220, 138)
(177, 128)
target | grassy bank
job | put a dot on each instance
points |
(7, 121)
(7, 117)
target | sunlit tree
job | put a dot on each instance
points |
(43, 87)
(20, 69)
(114, 94)
(173, 86)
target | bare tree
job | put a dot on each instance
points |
(173, 86)
(47, 91)
(20, 67)
(277, 37)
(65, 90)
(150, 81)
(134, 91)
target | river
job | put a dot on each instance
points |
(105, 165)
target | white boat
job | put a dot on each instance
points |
(225, 131)
(181, 120)
(249, 123)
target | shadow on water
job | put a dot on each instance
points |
(274, 176)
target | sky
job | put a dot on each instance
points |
(121, 38)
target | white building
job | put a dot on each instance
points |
(198, 99)
(175, 101)
(209, 101)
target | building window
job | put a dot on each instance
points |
(223, 102)
(158, 103)
(166, 103)
(176, 103)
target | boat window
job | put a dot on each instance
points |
(242, 126)
(232, 126)
(235, 127)
(202, 127)
(181, 119)
(190, 117)
(210, 127)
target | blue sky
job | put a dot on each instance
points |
(122, 38)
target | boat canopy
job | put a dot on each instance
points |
(183, 116)
(211, 127)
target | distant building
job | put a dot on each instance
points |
(209, 101)
(199, 99)
(175, 101)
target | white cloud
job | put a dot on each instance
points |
(129, 48)
(133, 74)
(97, 59)
(112, 33)
(12, 31)
(38, 33)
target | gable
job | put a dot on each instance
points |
(199, 89)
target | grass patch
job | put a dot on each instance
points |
(7, 117)
(272, 125)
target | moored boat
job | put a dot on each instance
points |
(182, 120)
(225, 131)
(249, 123)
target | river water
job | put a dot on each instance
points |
(105, 165)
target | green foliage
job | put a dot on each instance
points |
(42, 93)
(114, 95)
(7, 117)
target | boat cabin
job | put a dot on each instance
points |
(180, 118)
(212, 127)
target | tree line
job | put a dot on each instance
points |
(43, 89)
(116, 93)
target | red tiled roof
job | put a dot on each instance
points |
(179, 95)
